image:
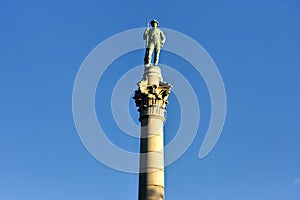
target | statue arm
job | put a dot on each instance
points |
(145, 34)
(163, 37)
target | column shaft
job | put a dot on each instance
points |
(151, 99)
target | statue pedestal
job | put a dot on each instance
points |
(152, 75)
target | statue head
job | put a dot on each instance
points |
(153, 22)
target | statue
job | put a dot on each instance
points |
(155, 39)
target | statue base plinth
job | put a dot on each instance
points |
(152, 75)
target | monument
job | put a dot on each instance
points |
(151, 100)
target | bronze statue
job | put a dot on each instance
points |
(155, 39)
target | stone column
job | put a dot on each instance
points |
(151, 100)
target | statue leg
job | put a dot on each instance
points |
(156, 56)
(146, 60)
(150, 55)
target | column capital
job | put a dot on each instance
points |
(152, 99)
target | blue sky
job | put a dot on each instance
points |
(255, 46)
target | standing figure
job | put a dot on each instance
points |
(155, 39)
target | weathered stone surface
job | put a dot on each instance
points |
(151, 192)
(152, 144)
(155, 178)
(151, 161)
(151, 126)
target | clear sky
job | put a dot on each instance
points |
(255, 45)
